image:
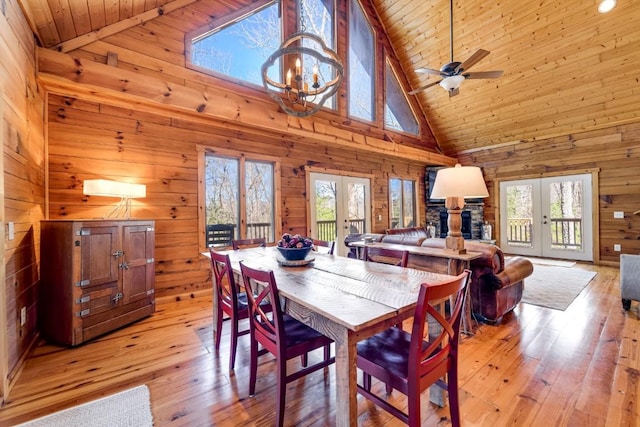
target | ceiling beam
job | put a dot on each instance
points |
(119, 26)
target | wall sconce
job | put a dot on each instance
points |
(454, 185)
(126, 191)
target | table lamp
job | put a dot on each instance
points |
(126, 191)
(454, 185)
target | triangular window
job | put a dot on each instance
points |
(398, 114)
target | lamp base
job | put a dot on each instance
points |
(454, 244)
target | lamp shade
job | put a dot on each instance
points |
(459, 181)
(107, 188)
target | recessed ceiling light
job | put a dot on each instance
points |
(606, 6)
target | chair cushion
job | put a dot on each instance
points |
(389, 349)
(297, 332)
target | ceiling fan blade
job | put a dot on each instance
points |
(453, 92)
(428, 71)
(483, 74)
(472, 60)
(420, 89)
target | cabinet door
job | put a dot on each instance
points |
(138, 274)
(99, 263)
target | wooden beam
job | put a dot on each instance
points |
(141, 18)
(72, 76)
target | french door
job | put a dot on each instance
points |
(339, 205)
(547, 217)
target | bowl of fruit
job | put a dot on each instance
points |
(294, 247)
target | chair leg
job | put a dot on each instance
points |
(282, 389)
(452, 389)
(327, 352)
(253, 367)
(234, 343)
(626, 304)
(304, 359)
(388, 388)
(366, 381)
(413, 400)
(218, 329)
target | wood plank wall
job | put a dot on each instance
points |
(89, 140)
(614, 151)
(23, 174)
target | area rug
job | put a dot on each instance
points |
(128, 408)
(555, 287)
(549, 261)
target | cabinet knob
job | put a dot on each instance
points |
(118, 297)
(118, 253)
(124, 266)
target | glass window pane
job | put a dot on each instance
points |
(259, 200)
(361, 64)
(221, 193)
(397, 112)
(356, 207)
(519, 215)
(326, 210)
(319, 19)
(395, 202)
(240, 49)
(408, 208)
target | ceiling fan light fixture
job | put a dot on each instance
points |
(606, 6)
(452, 82)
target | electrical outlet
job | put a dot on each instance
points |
(617, 248)
(618, 215)
(23, 316)
(11, 230)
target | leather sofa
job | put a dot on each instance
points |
(496, 286)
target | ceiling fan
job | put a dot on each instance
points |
(454, 73)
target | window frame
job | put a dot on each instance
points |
(242, 158)
(416, 217)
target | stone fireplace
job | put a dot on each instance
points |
(472, 219)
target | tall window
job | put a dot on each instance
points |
(398, 114)
(402, 203)
(229, 214)
(238, 49)
(361, 64)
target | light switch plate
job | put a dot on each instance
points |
(618, 214)
(11, 230)
(617, 248)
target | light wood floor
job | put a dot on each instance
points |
(541, 367)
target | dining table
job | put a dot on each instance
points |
(345, 299)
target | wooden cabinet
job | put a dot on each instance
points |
(95, 276)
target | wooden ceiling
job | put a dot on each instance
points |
(566, 67)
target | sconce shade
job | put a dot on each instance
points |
(459, 181)
(107, 188)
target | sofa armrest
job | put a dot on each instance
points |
(515, 270)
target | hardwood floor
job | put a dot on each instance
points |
(541, 367)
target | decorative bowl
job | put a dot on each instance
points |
(294, 254)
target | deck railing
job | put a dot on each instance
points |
(566, 233)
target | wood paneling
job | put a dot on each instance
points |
(23, 188)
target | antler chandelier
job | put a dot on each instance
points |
(303, 93)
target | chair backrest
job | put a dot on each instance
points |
(325, 244)
(268, 329)
(219, 234)
(224, 284)
(424, 360)
(385, 255)
(249, 243)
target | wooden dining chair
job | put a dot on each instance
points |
(231, 302)
(260, 242)
(385, 255)
(324, 244)
(409, 363)
(278, 333)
